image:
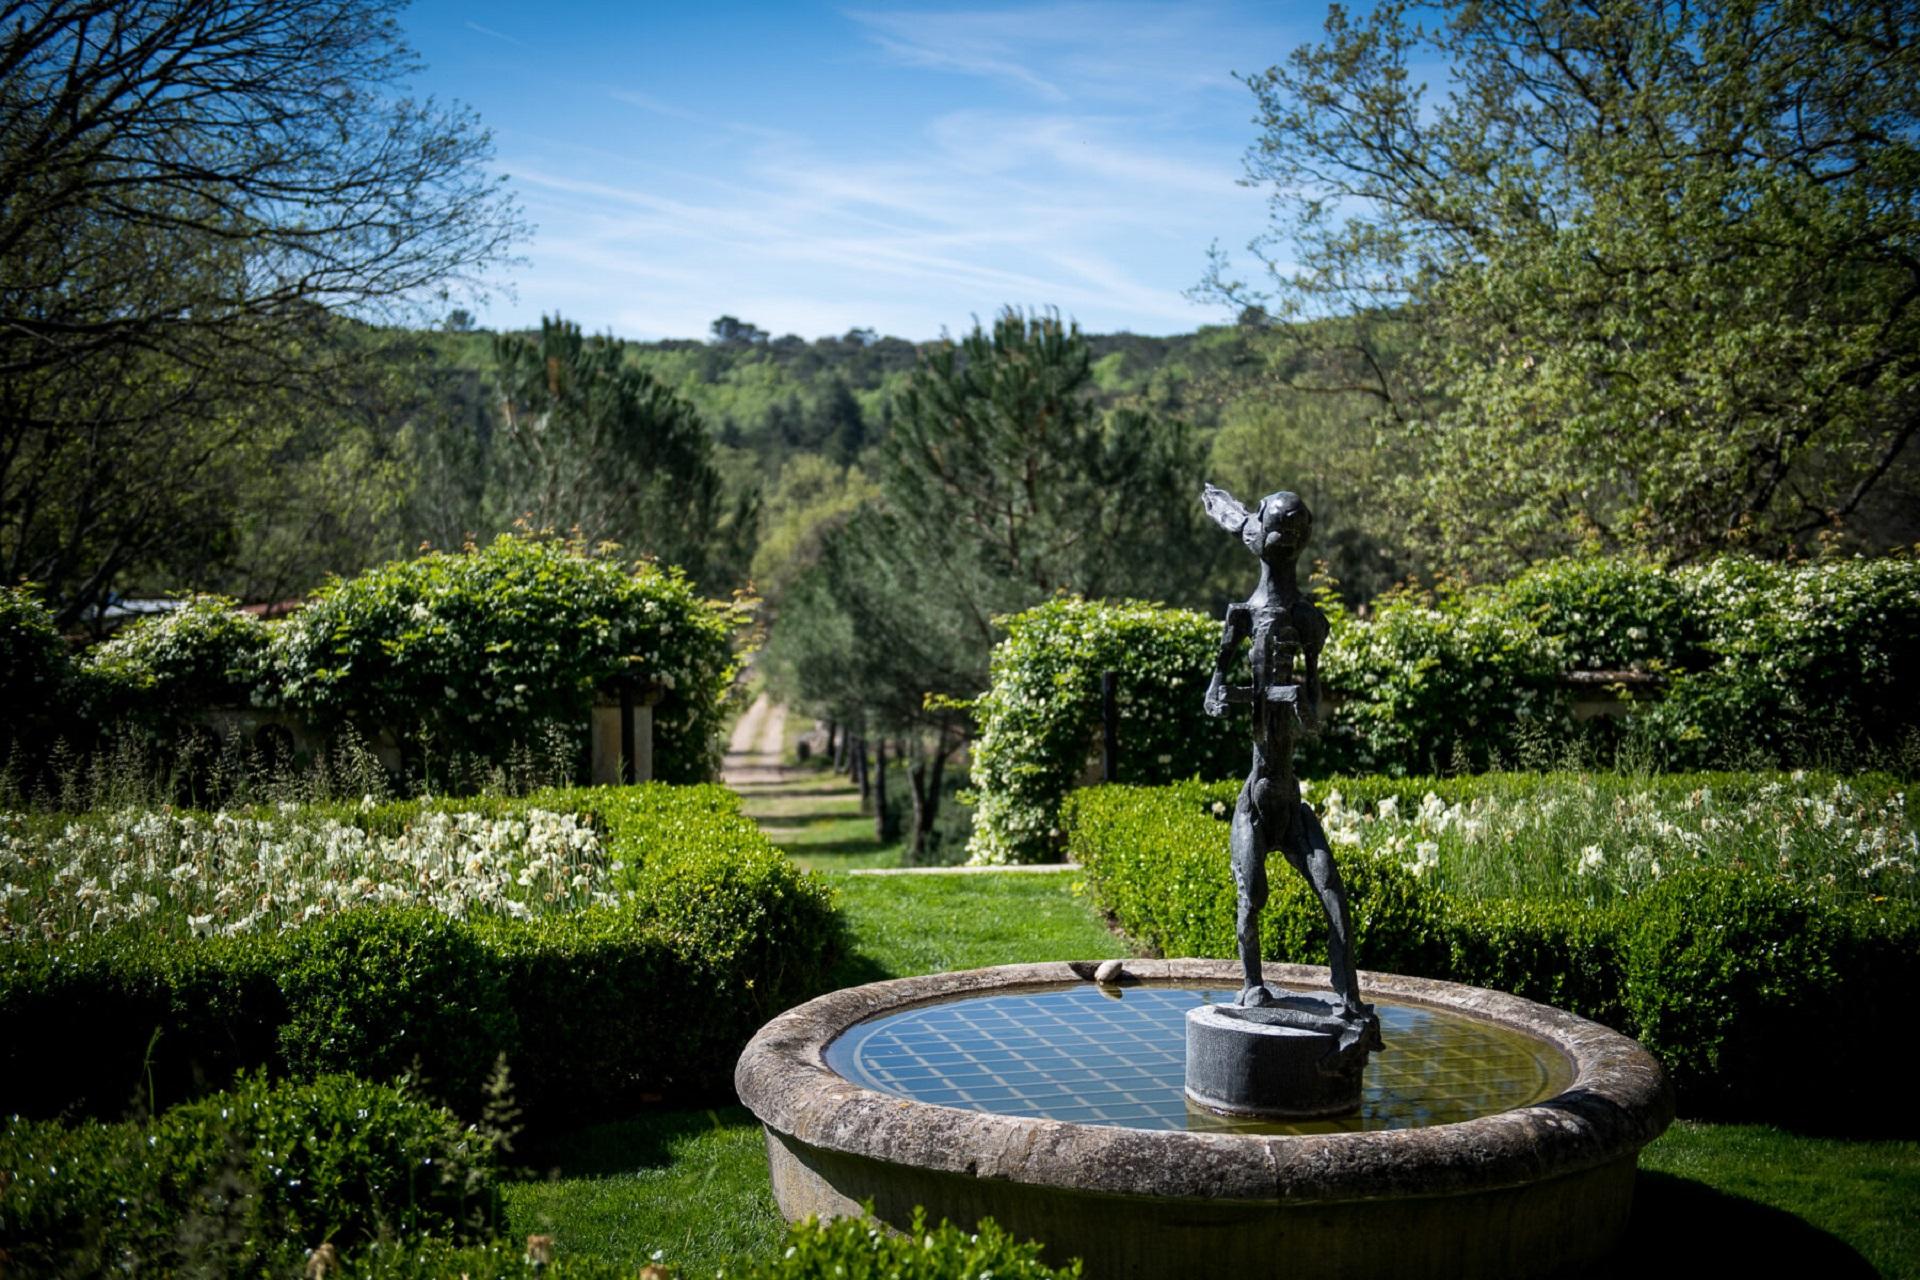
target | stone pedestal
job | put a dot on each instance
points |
(1292, 1059)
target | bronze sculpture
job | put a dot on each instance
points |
(1286, 632)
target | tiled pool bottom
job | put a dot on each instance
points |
(1116, 1056)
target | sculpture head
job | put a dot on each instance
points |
(1275, 531)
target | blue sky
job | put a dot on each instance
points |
(812, 168)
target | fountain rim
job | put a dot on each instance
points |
(1619, 1101)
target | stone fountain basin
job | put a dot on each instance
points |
(1529, 1191)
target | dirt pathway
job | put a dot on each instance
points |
(755, 749)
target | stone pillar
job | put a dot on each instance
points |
(608, 733)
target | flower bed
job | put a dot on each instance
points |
(613, 945)
(1758, 908)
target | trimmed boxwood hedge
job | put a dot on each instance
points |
(242, 1182)
(1746, 987)
(593, 1010)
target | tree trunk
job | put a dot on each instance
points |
(925, 776)
(833, 740)
(880, 824)
(861, 774)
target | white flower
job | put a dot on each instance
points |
(1592, 858)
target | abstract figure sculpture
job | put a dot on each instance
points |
(1286, 633)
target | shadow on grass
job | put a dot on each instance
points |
(857, 847)
(783, 791)
(644, 1141)
(1683, 1227)
(856, 969)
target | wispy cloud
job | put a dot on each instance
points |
(1112, 50)
(496, 35)
(647, 102)
(907, 171)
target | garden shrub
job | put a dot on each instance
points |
(157, 671)
(858, 1247)
(1807, 662)
(378, 992)
(1735, 982)
(1040, 720)
(1425, 685)
(648, 995)
(486, 648)
(1566, 954)
(1622, 613)
(243, 1181)
(842, 1249)
(1157, 861)
(1764, 664)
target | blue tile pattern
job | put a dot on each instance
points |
(1118, 1058)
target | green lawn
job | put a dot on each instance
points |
(910, 924)
(691, 1184)
(1756, 1200)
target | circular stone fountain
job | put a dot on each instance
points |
(1496, 1137)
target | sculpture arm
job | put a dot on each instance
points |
(1233, 632)
(1308, 703)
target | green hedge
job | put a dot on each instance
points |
(156, 672)
(1040, 720)
(244, 1181)
(594, 1010)
(484, 648)
(844, 1249)
(1764, 664)
(1745, 985)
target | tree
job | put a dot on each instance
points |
(592, 444)
(1001, 458)
(1000, 483)
(1663, 262)
(187, 193)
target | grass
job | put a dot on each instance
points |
(1757, 1199)
(690, 1184)
(912, 924)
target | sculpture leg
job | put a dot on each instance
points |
(1319, 868)
(1250, 880)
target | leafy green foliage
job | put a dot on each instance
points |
(158, 670)
(486, 647)
(841, 1249)
(1764, 663)
(164, 297)
(1421, 675)
(1820, 659)
(998, 448)
(35, 670)
(1622, 613)
(377, 992)
(1156, 861)
(1660, 259)
(1040, 720)
(1726, 974)
(859, 1249)
(243, 1180)
(595, 445)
